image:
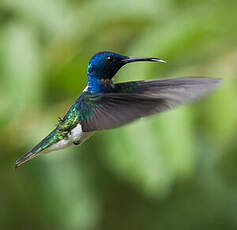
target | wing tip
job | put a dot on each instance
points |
(214, 80)
(212, 83)
(208, 80)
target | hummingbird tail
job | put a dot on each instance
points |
(44, 146)
(26, 157)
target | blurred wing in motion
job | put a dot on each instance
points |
(129, 101)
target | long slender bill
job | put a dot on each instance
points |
(136, 59)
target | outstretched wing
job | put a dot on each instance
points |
(132, 100)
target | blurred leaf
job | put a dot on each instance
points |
(53, 15)
(22, 67)
(149, 154)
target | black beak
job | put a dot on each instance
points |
(134, 59)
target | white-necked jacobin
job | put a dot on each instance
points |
(105, 105)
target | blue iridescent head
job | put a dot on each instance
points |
(105, 65)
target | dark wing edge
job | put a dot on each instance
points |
(111, 110)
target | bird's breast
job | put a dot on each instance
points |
(77, 135)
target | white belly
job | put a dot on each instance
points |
(76, 135)
(56, 146)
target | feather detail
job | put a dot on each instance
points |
(132, 100)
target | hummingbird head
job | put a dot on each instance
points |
(104, 65)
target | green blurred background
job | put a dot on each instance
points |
(172, 171)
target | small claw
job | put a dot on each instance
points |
(60, 120)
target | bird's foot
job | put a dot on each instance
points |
(76, 142)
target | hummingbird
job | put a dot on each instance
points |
(104, 104)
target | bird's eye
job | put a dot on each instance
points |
(109, 59)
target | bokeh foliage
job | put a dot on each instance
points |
(172, 171)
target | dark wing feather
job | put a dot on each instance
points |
(133, 100)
